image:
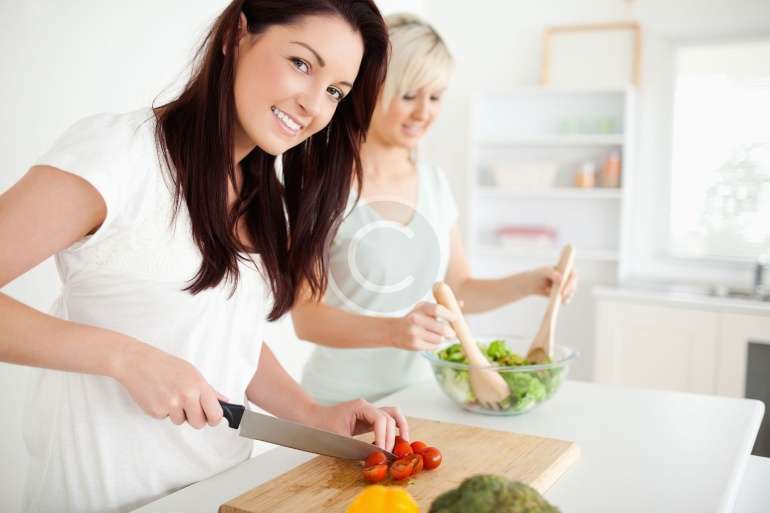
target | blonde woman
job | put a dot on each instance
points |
(398, 237)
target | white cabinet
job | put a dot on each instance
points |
(675, 346)
(656, 347)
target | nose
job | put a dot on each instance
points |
(310, 102)
(422, 110)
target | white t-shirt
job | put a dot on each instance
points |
(383, 268)
(92, 448)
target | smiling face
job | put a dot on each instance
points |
(290, 79)
(408, 117)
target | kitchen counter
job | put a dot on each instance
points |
(645, 450)
(682, 296)
(754, 495)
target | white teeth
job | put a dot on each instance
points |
(286, 120)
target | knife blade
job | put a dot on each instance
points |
(266, 428)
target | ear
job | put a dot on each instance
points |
(243, 29)
(243, 26)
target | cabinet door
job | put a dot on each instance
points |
(736, 331)
(659, 347)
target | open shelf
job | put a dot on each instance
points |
(555, 140)
(544, 136)
(547, 253)
(555, 193)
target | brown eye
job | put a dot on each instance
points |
(335, 93)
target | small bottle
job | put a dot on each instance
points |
(585, 176)
(610, 174)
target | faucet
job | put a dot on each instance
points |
(760, 268)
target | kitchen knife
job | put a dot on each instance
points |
(297, 436)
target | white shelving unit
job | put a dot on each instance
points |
(545, 253)
(555, 140)
(519, 132)
(554, 193)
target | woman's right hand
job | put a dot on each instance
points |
(422, 329)
(166, 386)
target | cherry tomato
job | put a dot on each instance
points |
(431, 458)
(417, 463)
(418, 447)
(399, 438)
(402, 449)
(401, 469)
(376, 458)
(376, 473)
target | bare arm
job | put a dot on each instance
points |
(333, 327)
(481, 295)
(272, 389)
(419, 330)
(46, 211)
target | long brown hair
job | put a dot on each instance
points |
(290, 223)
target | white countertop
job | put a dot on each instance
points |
(682, 296)
(754, 495)
(649, 451)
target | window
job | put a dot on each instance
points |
(720, 193)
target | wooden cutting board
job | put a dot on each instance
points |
(330, 484)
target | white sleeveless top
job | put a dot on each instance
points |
(92, 448)
(383, 268)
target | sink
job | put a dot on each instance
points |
(716, 291)
(738, 293)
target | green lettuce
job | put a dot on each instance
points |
(527, 388)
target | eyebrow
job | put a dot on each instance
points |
(320, 59)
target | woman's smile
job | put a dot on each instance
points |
(413, 130)
(287, 123)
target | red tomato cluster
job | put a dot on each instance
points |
(412, 458)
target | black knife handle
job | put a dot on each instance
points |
(233, 413)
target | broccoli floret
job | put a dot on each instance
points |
(491, 494)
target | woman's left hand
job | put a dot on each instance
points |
(359, 416)
(544, 278)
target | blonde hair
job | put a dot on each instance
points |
(418, 56)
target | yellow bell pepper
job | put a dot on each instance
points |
(383, 499)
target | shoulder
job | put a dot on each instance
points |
(433, 176)
(438, 192)
(111, 152)
(108, 150)
(106, 131)
(103, 137)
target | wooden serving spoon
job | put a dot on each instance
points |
(541, 349)
(489, 387)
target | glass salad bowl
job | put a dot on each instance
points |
(529, 384)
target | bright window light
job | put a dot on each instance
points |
(720, 194)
